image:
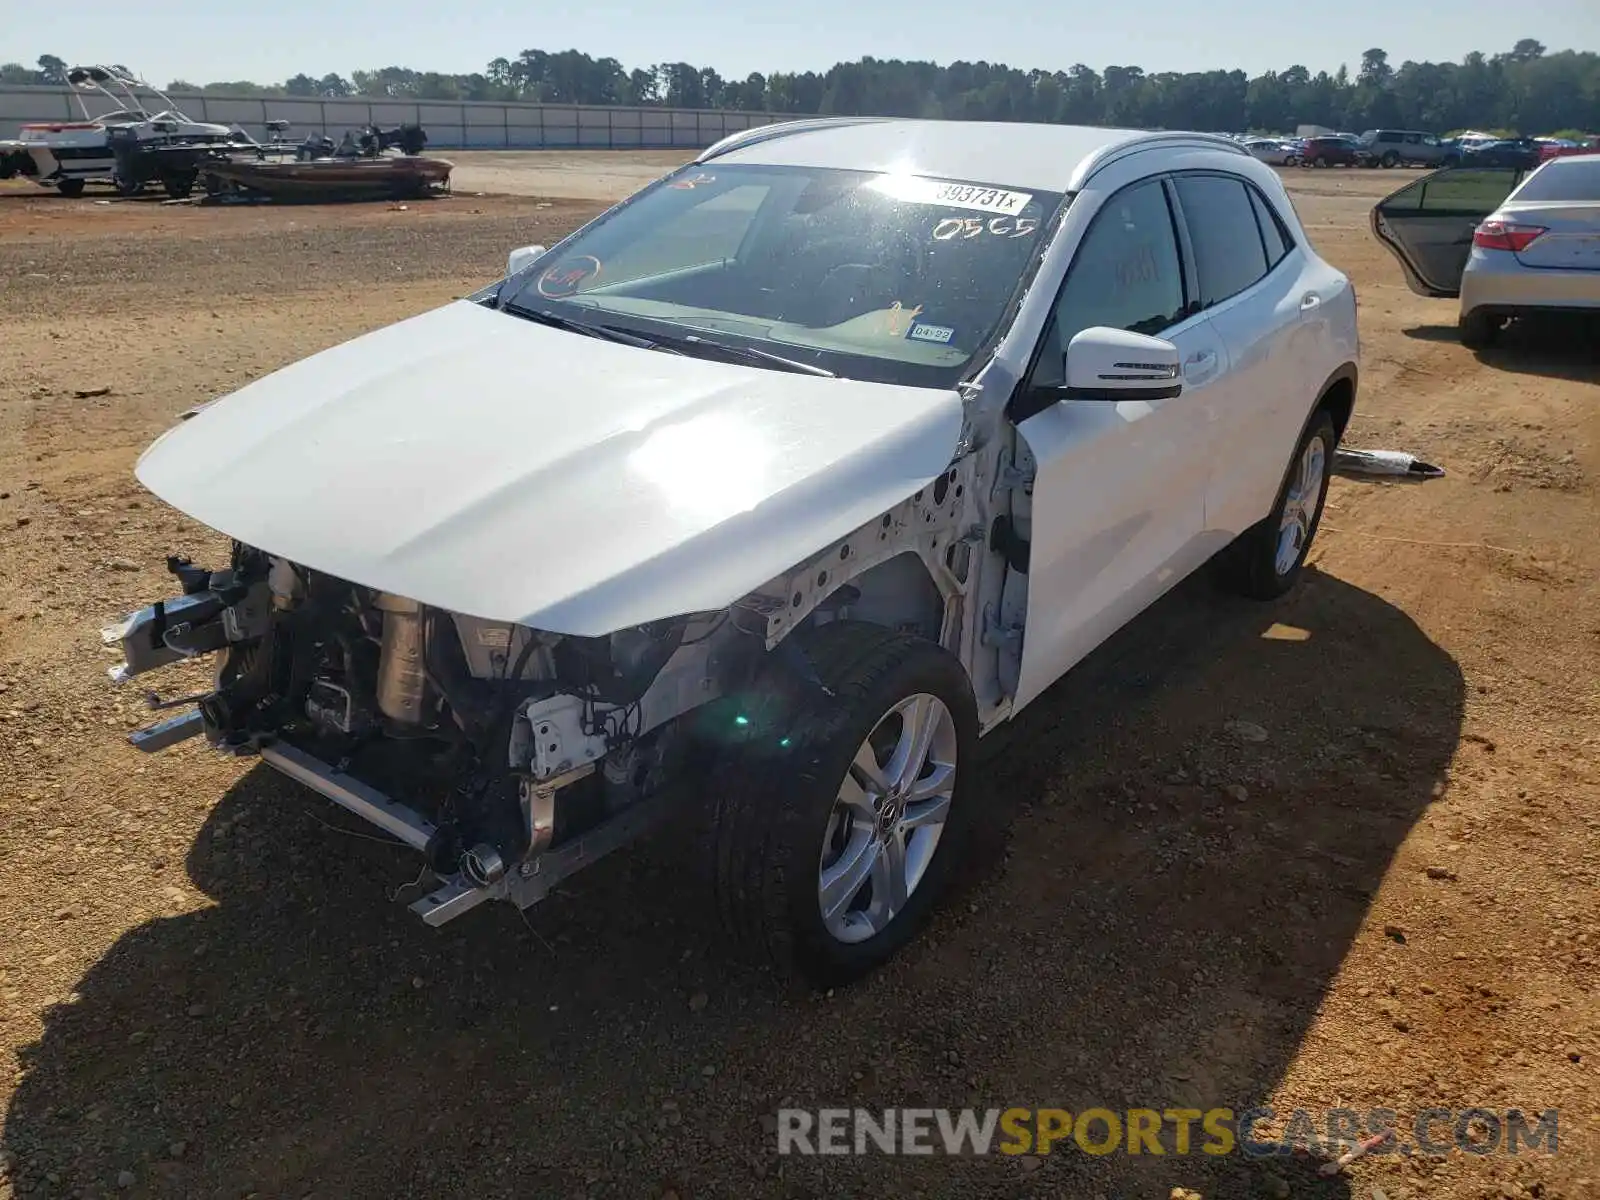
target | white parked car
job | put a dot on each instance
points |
(759, 500)
(1272, 152)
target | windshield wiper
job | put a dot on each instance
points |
(609, 333)
(692, 343)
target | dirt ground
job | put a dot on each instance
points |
(206, 990)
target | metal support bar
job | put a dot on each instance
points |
(167, 733)
(457, 896)
(536, 878)
(397, 820)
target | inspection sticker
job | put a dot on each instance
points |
(923, 332)
(913, 189)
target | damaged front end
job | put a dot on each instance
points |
(506, 756)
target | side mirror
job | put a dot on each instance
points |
(521, 257)
(1113, 364)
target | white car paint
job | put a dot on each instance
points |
(513, 472)
(537, 476)
(488, 465)
(1169, 482)
(1044, 157)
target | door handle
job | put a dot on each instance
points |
(1309, 301)
(1199, 364)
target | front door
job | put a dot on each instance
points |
(1119, 487)
(1428, 224)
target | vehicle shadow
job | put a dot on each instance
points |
(1557, 346)
(1199, 818)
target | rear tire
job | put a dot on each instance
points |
(1479, 330)
(1320, 161)
(1390, 159)
(70, 188)
(794, 809)
(1265, 560)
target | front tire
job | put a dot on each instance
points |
(70, 188)
(1266, 560)
(841, 819)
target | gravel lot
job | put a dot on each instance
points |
(1391, 900)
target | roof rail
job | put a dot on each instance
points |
(778, 129)
(1109, 154)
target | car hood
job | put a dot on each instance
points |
(498, 468)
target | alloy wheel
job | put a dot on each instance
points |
(1300, 505)
(887, 818)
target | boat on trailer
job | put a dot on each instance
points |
(66, 155)
(379, 164)
(395, 177)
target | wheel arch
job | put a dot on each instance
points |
(899, 594)
(906, 570)
(1338, 396)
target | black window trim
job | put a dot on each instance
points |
(1016, 407)
(1195, 304)
(1289, 244)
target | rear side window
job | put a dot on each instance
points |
(1460, 192)
(1228, 251)
(1273, 235)
(1564, 180)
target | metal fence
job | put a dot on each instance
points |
(450, 124)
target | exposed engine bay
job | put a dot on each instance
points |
(506, 756)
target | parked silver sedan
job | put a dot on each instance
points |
(1272, 152)
(1508, 243)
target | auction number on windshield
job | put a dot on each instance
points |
(970, 227)
(991, 199)
(914, 189)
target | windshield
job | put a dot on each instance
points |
(887, 278)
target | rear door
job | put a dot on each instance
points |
(1248, 275)
(1564, 198)
(1428, 224)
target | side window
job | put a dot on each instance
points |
(1458, 191)
(1413, 139)
(1228, 252)
(1127, 274)
(1273, 235)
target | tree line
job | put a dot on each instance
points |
(1524, 89)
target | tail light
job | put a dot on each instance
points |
(1505, 235)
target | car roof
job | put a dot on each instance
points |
(1052, 158)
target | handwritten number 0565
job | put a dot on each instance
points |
(952, 228)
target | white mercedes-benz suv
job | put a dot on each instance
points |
(756, 503)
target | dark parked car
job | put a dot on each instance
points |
(1331, 152)
(1521, 154)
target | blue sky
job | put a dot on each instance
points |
(203, 40)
